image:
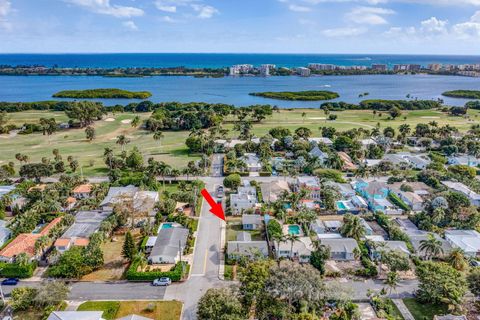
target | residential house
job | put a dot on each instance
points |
(366, 227)
(142, 202)
(271, 191)
(76, 315)
(252, 161)
(376, 247)
(375, 193)
(244, 246)
(347, 161)
(411, 199)
(367, 143)
(78, 234)
(301, 249)
(466, 240)
(465, 160)
(245, 198)
(460, 187)
(406, 159)
(332, 225)
(252, 221)
(82, 191)
(319, 154)
(118, 195)
(309, 183)
(341, 249)
(169, 245)
(5, 233)
(449, 317)
(321, 140)
(25, 243)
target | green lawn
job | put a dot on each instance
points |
(157, 310)
(172, 148)
(109, 308)
(423, 311)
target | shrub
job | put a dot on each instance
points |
(175, 274)
(15, 270)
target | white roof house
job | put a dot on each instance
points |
(467, 240)
(245, 198)
(463, 160)
(341, 249)
(302, 249)
(323, 140)
(252, 161)
(169, 245)
(460, 187)
(244, 246)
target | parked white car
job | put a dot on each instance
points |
(164, 281)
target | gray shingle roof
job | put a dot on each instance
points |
(168, 242)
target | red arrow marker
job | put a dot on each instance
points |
(217, 208)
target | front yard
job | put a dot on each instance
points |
(114, 264)
(165, 310)
(423, 311)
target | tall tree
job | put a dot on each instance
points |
(431, 246)
(86, 112)
(129, 249)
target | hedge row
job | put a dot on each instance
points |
(398, 202)
(175, 274)
(15, 270)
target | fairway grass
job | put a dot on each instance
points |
(172, 149)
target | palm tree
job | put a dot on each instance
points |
(352, 227)
(457, 259)
(41, 244)
(292, 238)
(334, 161)
(122, 140)
(362, 171)
(278, 238)
(158, 136)
(392, 281)
(431, 246)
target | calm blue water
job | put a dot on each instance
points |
(235, 91)
(197, 60)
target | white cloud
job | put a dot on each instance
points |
(434, 26)
(5, 8)
(368, 15)
(343, 32)
(297, 8)
(104, 7)
(130, 25)
(469, 29)
(171, 5)
(205, 11)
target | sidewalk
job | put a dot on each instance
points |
(407, 315)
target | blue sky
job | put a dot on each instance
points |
(266, 26)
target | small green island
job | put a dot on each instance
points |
(102, 94)
(299, 95)
(467, 94)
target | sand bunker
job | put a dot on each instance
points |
(109, 120)
(127, 121)
(430, 117)
(321, 118)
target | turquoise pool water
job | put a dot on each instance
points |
(167, 226)
(341, 205)
(294, 229)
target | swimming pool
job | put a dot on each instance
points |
(294, 229)
(167, 226)
(341, 205)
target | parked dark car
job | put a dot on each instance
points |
(10, 282)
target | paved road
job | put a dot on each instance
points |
(81, 291)
(206, 260)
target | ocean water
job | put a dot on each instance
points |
(235, 90)
(208, 60)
